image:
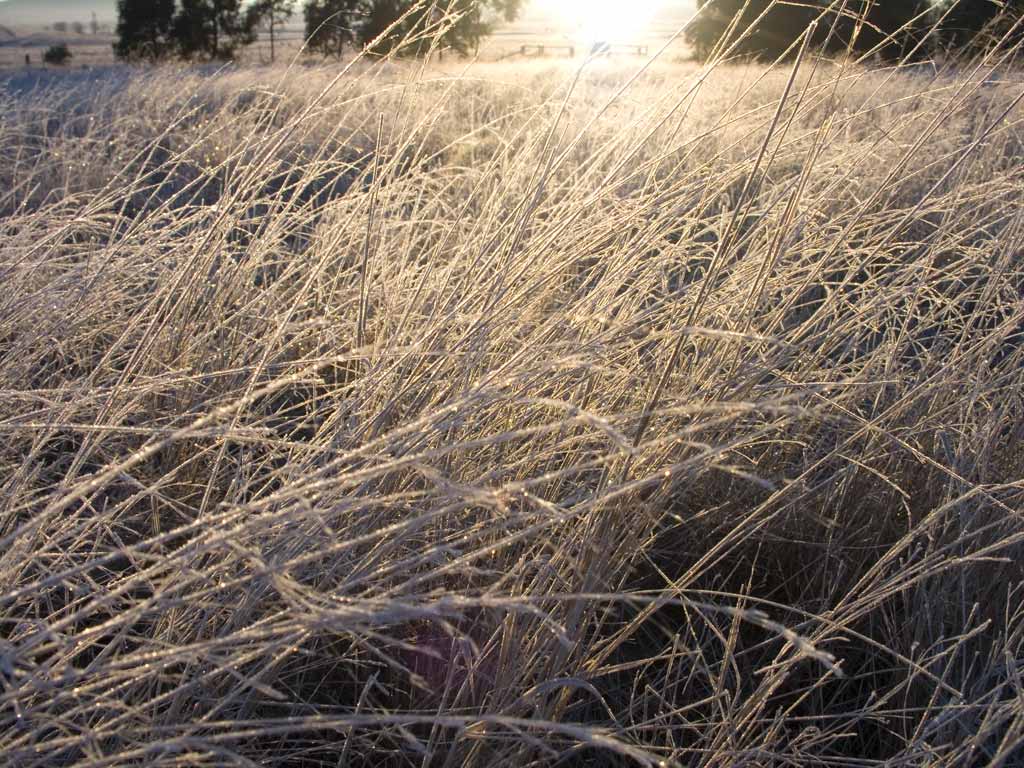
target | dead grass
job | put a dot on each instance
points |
(685, 428)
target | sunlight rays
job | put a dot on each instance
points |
(590, 21)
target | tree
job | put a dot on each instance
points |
(329, 25)
(754, 27)
(768, 29)
(455, 24)
(78, 27)
(891, 28)
(273, 13)
(973, 24)
(384, 27)
(212, 29)
(145, 29)
(58, 55)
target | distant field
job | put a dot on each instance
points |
(534, 29)
(87, 50)
(510, 415)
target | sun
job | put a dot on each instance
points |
(611, 21)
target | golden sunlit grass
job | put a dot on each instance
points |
(513, 415)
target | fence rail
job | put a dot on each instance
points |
(598, 49)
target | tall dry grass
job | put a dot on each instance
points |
(513, 416)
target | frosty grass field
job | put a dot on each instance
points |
(513, 414)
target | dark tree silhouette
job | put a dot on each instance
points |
(212, 29)
(379, 27)
(273, 13)
(753, 27)
(974, 24)
(890, 28)
(145, 29)
(329, 25)
(454, 24)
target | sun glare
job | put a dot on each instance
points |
(591, 21)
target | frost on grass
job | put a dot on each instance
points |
(684, 427)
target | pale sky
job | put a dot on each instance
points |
(581, 12)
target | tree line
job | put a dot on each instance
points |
(217, 29)
(890, 29)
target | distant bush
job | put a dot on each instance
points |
(58, 55)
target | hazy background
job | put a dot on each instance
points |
(26, 29)
(39, 12)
